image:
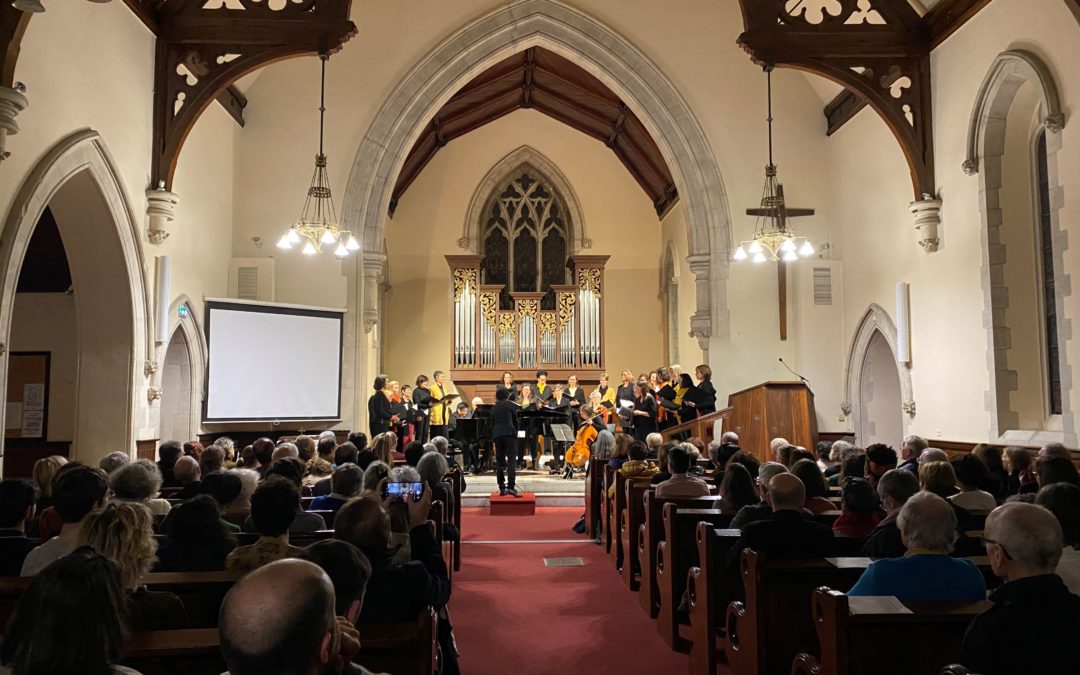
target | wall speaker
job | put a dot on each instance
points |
(164, 293)
(903, 323)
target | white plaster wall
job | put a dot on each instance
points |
(45, 322)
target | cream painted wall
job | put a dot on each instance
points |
(872, 230)
(429, 220)
(879, 388)
(673, 235)
(36, 328)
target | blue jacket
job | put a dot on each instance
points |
(924, 577)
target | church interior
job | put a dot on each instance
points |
(314, 251)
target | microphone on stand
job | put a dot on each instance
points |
(782, 362)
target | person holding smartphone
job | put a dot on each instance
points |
(504, 433)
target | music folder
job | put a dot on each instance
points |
(696, 396)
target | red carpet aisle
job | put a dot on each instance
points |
(513, 615)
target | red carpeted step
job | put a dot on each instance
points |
(525, 505)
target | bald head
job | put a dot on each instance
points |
(1026, 540)
(279, 618)
(932, 455)
(285, 450)
(186, 469)
(786, 492)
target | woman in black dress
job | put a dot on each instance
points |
(704, 377)
(507, 383)
(644, 411)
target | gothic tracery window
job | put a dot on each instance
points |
(525, 233)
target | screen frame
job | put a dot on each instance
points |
(211, 304)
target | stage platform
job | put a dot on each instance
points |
(549, 490)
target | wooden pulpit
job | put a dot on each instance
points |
(766, 411)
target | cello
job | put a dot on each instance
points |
(577, 456)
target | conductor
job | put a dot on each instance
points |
(504, 433)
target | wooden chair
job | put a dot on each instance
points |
(880, 636)
(400, 648)
(651, 533)
(675, 555)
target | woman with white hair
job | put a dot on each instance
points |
(432, 468)
(140, 482)
(603, 446)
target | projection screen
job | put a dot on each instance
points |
(270, 362)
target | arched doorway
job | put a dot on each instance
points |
(78, 185)
(881, 419)
(177, 415)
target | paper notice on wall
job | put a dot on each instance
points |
(34, 396)
(13, 416)
(33, 422)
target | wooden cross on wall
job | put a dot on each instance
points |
(781, 212)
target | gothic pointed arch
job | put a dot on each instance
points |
(524, 157)
(876, 320)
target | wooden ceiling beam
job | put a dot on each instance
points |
(1074, 7)
(147, 12)
(13, 23)
(946, 17)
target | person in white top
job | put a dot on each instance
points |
(78, 490)
(1063, 500)
(971, 475)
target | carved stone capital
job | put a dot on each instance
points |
(909, 408)
(970, 167)
(845, 408)
(161, 210)
(927, 212)
(372, 266)
(586, 243)
(153, 394)
(464, 243)
(149, 368)
(12, 102)
(1054, 123)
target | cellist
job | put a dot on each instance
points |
(577, 456)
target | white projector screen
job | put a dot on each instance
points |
(272, 362)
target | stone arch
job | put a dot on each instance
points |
(81, 160)
(986, 142)
(507, 166)
(876, 320)
(669, 296)
(606, 55)
(194, 341)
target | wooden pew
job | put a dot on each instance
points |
(880, 636)
(400, 648)
(633, 518)
(675, 555)
(772, 625)
(175, 652)
(305, 539)
(594, 485)
(605, 514)
(649, 535)
(619, 552)
(455, 479)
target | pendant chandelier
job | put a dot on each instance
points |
(317, 225)
(773, 239)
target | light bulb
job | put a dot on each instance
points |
(328, 237)
(759, 257)
(293, 235)
(740, 254)
(807, 250)
(754, 247)
(788, 245)
(789, 256)
(341, 251)
(284, 242)
(309, 249)
(352, 244)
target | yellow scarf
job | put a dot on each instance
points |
(438, 412)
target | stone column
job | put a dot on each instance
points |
(161, 210)
(701, 323)
(12, 102)
(927, 212)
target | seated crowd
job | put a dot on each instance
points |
(90, 534)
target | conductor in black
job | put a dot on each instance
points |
(504, 433)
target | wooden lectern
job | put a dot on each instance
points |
(762, 413)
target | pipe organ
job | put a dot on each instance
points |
(489, 339)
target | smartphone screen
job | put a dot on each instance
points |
(401, 492)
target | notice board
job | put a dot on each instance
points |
(27, 402)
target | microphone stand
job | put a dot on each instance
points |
(803, 379)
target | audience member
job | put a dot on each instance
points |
(852, 467)
(349, 571)
(347, 481)
(775, 446)
(42, 474)
(359, 439)
(991, 456)
(364, 458)
(345, 454)
(1051, 450)
(817, 491)
(274, 507)
(281, 619)
(749, 462)
(939, 478)
(1063, 500)
(228, 448)
(971, 476)
(662, 462)
(224, 487)
(375, 474)
(321, 466)
(414, 451)
(736, 488)
(620, 454)
(603, 446)
(212, 459)
(140, 482)
(78, 490)
(262, 455)
(895, 488)
(838, 454)
(197, 539)
(73, 618)
(652, 443)
(113, 461)
(926, 573)
(1029, 628)
(910, 450)
(168, 453)
(1020, 471)
(933, 455)
(636, 466)
(763, 509)
(860, 509)
(124, 533)
(193, 449)
(383, 446)
(680, 485)
(189, 474)
(290, 469)
(285, 449)
(879, 459)
(1050, 470)
(823, 451)
(783, 454)
(17, 498)
(238, 510)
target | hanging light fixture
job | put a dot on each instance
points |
(773, 239)
(317, 224)
(32, 6)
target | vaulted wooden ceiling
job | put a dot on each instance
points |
(540, 79)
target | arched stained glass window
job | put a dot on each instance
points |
(525, 233)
